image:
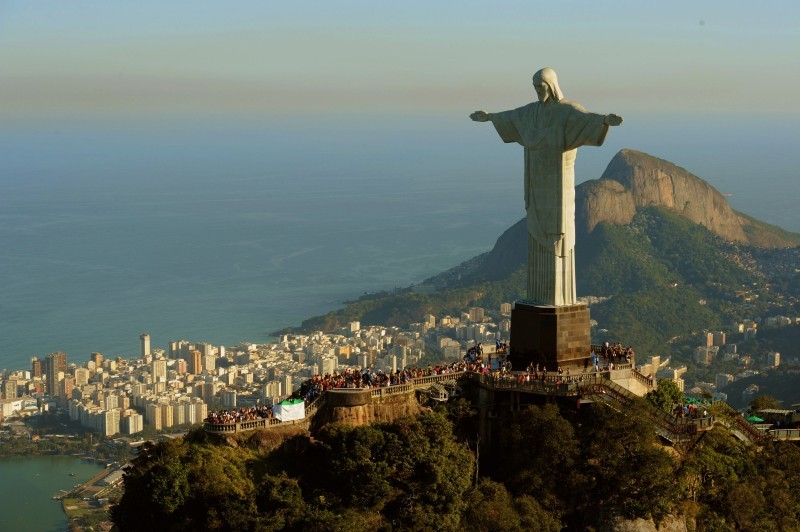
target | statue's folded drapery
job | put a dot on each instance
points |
(551, 134)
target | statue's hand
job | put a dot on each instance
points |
(612, 120)
(480, 116)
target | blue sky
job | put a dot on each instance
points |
(291, 58)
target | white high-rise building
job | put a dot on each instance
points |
(132, 424)
(228, 398)
(178, 414)
(159, 369)
(286, 383)
(145, 344)
(189, 413)
(200, 410)
(109, 422)
(327, 365)
(209, 362)
(272, 389)
(111, 402)
(476, 314)
(81, 377)
(154, 415)
(166, 415)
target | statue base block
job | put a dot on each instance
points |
(550, 336)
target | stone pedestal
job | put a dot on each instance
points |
(550, 336)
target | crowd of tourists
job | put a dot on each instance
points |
(474, 359)
(496, 364)
(617, 354)
(692, 411)
(238, 415)
(369, 378)
(349, 378)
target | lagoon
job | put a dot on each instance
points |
(27, 485)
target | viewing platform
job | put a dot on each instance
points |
(584, 387)
(339, 397)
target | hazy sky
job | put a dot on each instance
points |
(365, 57)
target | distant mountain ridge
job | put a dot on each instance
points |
(632, 181)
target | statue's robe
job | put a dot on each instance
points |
(551, 134)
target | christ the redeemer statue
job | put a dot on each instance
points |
(550, 130)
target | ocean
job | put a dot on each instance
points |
(222, 229)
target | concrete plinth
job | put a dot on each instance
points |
(550, 336)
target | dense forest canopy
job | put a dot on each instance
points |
(550, 468)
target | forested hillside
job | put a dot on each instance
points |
(664, 275)
(548, 469)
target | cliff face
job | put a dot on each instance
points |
(381, 413)
(356, 410)
(650, 181)
(603, 200)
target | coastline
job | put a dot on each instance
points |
(84, 462)
(29, 483)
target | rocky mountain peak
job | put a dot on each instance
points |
(634, 179)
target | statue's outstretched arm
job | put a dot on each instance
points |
(611, 120)
(481, 116)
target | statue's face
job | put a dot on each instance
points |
(542, 90)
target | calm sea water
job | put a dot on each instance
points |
(27, 485)
(226, 230)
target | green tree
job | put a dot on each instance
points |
(764, 402)
(431, 469)
(354, 464)
(539, 452)
(632, 476)
(413, 473)
(156, 488)
(222, 490)
(666, 395)
(280, 502)
(533, 517)
(717, 463)
(178, 484)
(778, 464)
(489, 508)
(464, 418)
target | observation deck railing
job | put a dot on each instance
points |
(734, 421)
(595, 385)
(318, 402)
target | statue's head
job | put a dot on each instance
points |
(546, 84)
